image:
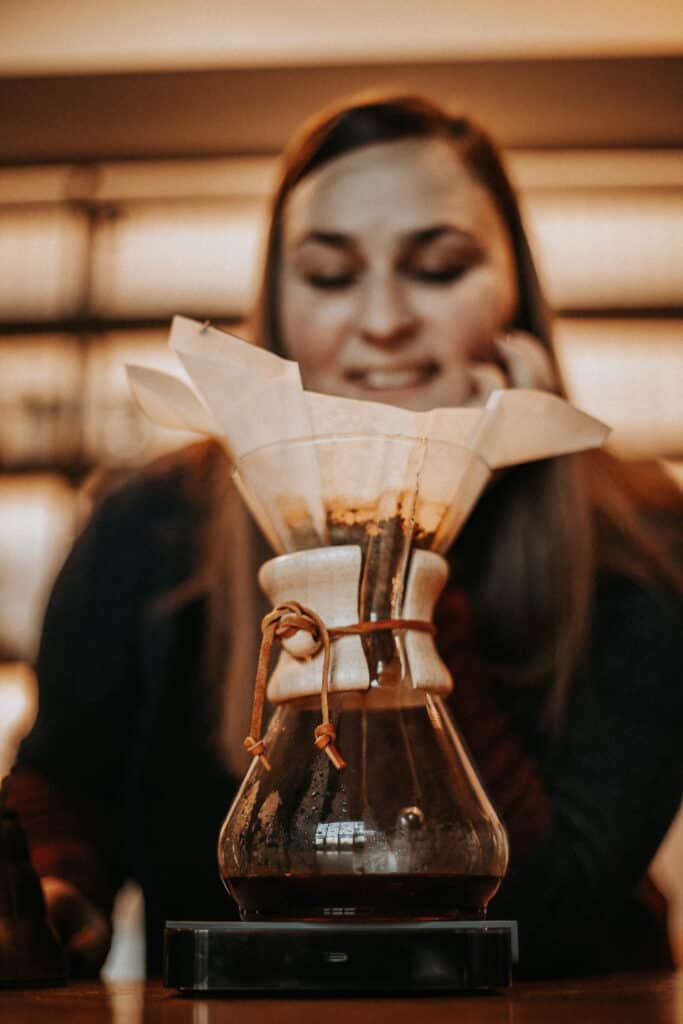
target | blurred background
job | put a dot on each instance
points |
(138, 148)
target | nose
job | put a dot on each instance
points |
(385, 315)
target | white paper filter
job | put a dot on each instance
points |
(370, 460)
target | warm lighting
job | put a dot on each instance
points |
(674, 470)
(63, 36)
(36, 526)
(230, 177)
(185, 234)
(667, 872)
(41, 379)
(155, 259)
(628, 373)
(608, 250)
(18, 708)
(115, 431)
(552, 169)
(43, 256)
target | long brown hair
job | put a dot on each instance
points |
(531, 553)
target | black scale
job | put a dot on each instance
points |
(277, 958)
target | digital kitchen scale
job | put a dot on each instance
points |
(273, 958)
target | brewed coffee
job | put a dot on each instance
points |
(363, 897)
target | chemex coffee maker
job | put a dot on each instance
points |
(361, 849)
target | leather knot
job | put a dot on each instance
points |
(303, 634)
(299, 634)
(257, 748)
(325, 735)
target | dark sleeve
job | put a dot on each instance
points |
(614, 782)
(71, 774)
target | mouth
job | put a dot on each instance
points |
(401, 378)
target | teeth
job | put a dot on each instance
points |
(387, 379)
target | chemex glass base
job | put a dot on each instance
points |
(284, 958)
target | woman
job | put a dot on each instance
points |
(396, 269)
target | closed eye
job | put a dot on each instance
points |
(327, 282)
(445, 275)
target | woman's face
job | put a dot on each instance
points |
(397, 275)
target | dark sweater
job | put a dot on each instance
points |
(121, 776)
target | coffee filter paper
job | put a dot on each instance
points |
(319, 469)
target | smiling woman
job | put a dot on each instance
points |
(397, 276)
(396, 238)
(396, 268)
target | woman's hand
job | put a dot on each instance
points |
(522, 362)
(83, 930)
(526, 361)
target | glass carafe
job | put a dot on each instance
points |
(405, 830)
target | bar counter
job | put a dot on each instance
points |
(635, 998)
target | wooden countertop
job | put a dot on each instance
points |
(636, 998)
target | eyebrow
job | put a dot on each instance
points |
(432, 234)
(339, 240)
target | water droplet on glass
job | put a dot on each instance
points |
(410, 818)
